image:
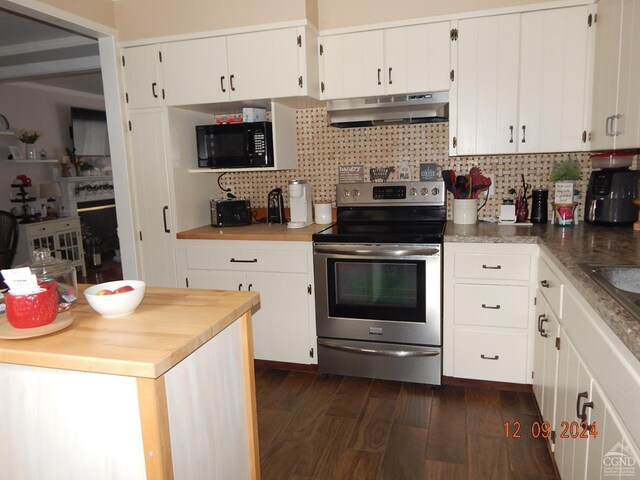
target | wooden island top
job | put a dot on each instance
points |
(169, 325)
(255, 231)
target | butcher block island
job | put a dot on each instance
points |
(166, 392)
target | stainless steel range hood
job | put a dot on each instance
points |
(392, 109)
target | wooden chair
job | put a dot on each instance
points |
(8, 240)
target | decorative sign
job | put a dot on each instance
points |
(429, 171)
(350, 174)
(564, 192)
(404, 172)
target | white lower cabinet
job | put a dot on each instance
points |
(488, 311)
(545, 364)
(585, 386)
(284, 324)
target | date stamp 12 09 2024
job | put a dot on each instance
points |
(543, 430)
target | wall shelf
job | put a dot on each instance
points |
(7, 133)
(23, 161)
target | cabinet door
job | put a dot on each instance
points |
(142, 76)
(550, 328)
(417, 58)
(539, 357)
(487, 89)
(195, 71)
(152, 198)
(263, 64)
(628, 91)
(574, 383)
(281, 333)
(607, 64)
(553, 79)
(353, 65)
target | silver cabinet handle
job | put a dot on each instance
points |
(615, 133)
(511, 133)
(486, 357)
(379, 80)
(524, 133)
(390, 81)
(487, 267)
(489, 307)
(607, 126)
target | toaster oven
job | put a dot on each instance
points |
(230, 212)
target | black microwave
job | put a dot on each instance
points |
(235, 145)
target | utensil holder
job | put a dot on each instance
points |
(465, 211)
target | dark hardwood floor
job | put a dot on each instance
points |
(314, 427)
(108, 272)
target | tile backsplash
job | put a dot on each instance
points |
(321, 149)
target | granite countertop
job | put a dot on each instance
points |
(569, 247)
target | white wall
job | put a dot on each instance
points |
(37, 108)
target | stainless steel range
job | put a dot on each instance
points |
(378, 277)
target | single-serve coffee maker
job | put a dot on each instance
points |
(300, 204)
(610, 197)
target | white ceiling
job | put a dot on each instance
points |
(37, 52)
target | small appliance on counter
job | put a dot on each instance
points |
(612, 190)
(300, 204)
(275, 207)
(230, 212)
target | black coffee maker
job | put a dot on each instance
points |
(275, 207)
(610, 197)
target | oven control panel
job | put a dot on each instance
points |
(391, 193)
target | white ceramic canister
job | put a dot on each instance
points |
(322, 212)
(465, 211)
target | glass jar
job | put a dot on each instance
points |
(49, 269)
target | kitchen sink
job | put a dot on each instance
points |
(622, 282)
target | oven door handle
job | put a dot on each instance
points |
(384, 353)
(377, 251)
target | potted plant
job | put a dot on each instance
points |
(564, 174)
(81, 166)
(29, 138)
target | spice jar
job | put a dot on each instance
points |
(49, 269)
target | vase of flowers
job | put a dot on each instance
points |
(29, 138)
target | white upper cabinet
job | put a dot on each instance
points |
(616, 97)
(521, 83)
(142, 75)
(417, 58)
(486, 85)
(378, 62)
(249, 66)
(195, 71)
(263, 64)
(352, 65)
(553, 80)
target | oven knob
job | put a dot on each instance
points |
(356, 193)
(424, 191)
(413, 192)
(346, 193)
(435, 191)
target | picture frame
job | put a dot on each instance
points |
(15, 152)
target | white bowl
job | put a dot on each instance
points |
(118, 304)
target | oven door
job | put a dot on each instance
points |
(381, 293)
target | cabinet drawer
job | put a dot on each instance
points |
(247, 260)
(490, 355)
(494, 266)
(551, 287)
(491, 305)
